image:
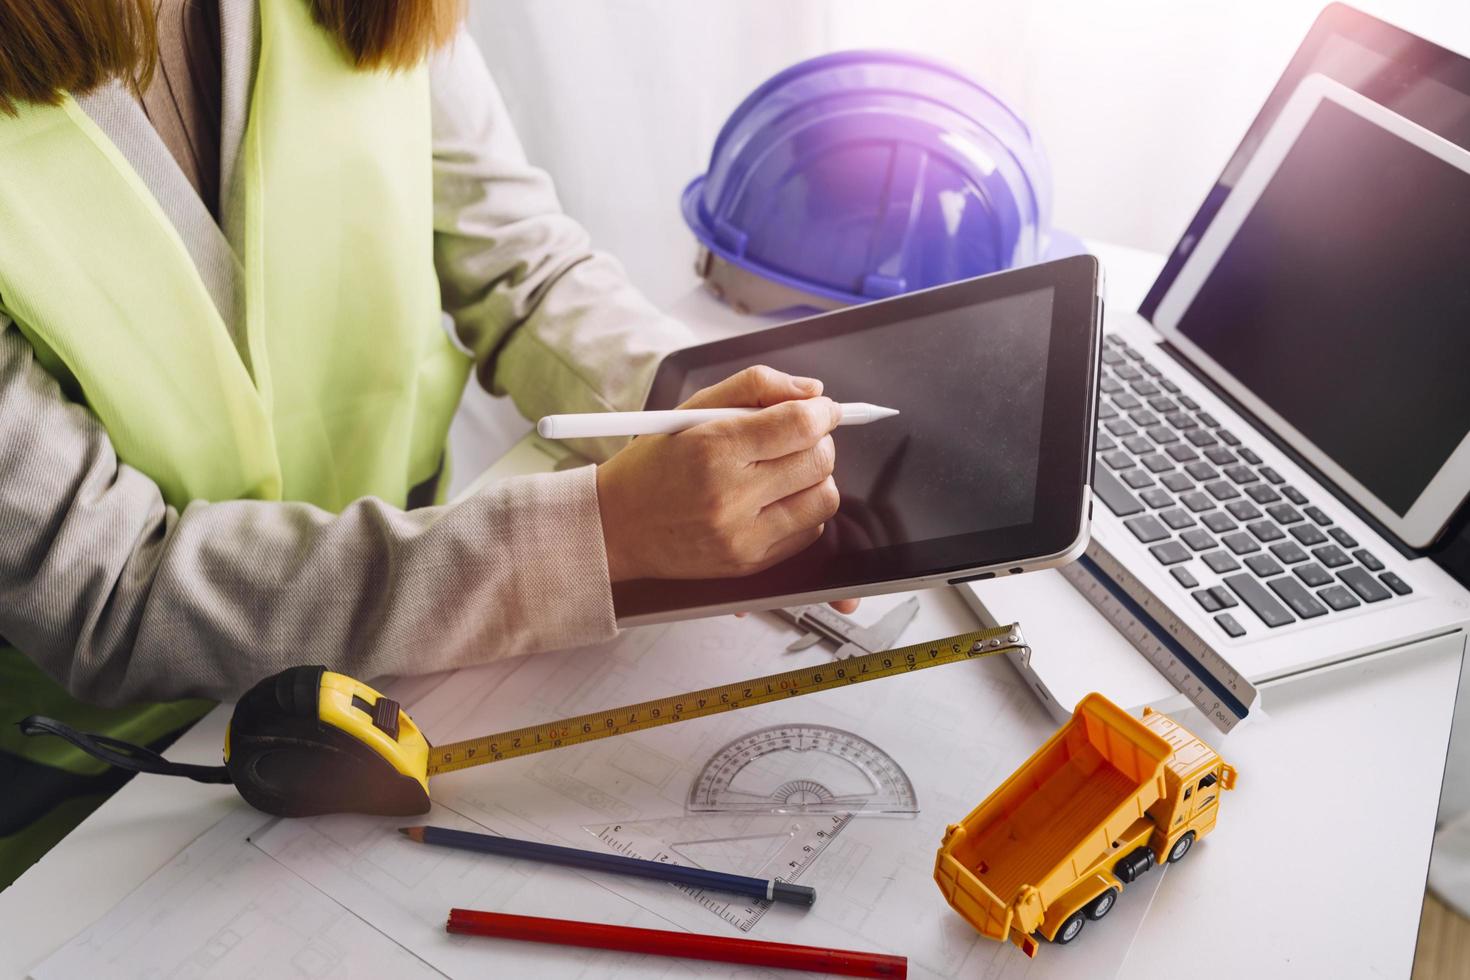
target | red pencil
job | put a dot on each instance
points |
(660, 942)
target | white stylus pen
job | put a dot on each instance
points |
(594, 425)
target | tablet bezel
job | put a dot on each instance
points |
(1437, 502)
(1057, 531)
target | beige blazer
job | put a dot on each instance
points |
(122, 598)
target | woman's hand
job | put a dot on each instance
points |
(725, 498)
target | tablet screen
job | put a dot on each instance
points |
(962, 453)
(986, 464)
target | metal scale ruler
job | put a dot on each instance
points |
(725, 697)
(1190, 663)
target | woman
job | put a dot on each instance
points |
(229, 233)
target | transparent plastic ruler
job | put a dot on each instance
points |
(1199, 671)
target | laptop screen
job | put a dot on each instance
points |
(1343, 302)
(1329, 295)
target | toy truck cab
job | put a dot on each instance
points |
(1100, 803)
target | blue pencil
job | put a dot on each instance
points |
(768, 888)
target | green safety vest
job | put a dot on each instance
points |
(347, 381)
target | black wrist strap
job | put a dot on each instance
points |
(123, 755)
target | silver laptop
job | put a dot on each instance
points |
(1285, 425)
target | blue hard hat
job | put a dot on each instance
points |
(863, 174)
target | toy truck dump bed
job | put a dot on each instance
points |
(1061, 820)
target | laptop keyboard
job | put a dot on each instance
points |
(1233, 533)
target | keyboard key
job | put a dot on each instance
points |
(1265, 531)
(1263, 565)
(1138, 445)
(1297, 598)
(1365, 585)
(1242, 510)
(1307, 534)
(1163, 404)
(1289, 552)
(1110, 385)
(1331, 556)
(1176, 518)
(1182, 421)
(1145, 388)
(1136, 478)
(1111, 357)
(1181, 453)
(1171, 552)
(1221, 490)
(1184, 576)
(1220, 456)
(1189, 403)
(1218, 521)
(1366, 558)
(1151, 370)
(1169, 386)
(1128, 372)
(1157, 497)
(1284, 514)
(1272, 476)
(1162, 436)
(1118, 460)
(1120, 427)
(1249, 455)
(1317, 514)
(1205, 418)
(1201, 438)
(1177, 481)
(1106, 411)
(1147, 528)
(1338, 598)
(1294, 495)
(1159, 464)
(1110, 491)
(1103, 443)
(1262, 493)
(1227, 437)
(1126, 401)
(1227, 623)
(1240, 543)
(1206, 600)
(1220, 562)
(1312, 574)
(1394, 582)
(1241, 474)
(1226, 597)
(1197, 501)
(1143, 418)
(1198, 539)
(1261, 602)
(1345, 539)
(1202, 471)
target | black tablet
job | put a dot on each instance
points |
(984, 472)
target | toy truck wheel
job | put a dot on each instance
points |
(1181, 847)
(1102, 905)
(1070, 929)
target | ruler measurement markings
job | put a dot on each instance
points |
(715, 700)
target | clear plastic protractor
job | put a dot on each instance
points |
(802, 769)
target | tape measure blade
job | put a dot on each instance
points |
(1195, 668)
(726, 697)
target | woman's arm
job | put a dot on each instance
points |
(550, 321)
(121, 598)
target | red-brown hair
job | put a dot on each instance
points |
(48, 47)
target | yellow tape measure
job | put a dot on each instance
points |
(725, 697)
(308, 741)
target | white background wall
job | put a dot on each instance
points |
(1139, 102)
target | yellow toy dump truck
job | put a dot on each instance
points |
(1104, 800)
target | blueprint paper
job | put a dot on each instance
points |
(222, 909)
(358, 891)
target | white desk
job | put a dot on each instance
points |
(1317, 868)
